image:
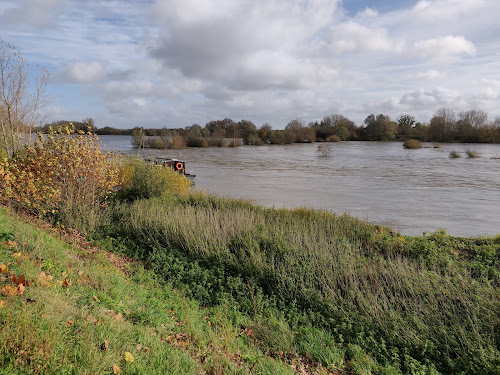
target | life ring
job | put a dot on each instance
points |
(179, 166)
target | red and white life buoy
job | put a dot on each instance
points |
(179, 166)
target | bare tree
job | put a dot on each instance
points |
(23, 92)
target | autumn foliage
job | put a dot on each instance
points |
(62, 174)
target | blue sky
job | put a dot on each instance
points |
(173, 63)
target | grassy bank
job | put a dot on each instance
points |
(218, 285)
(405, 304)
(75, 309)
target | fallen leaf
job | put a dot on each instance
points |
(80, 273)
(116, 370)
(3, 268)
(129, 357)
(20, 289)
(119, 316)
(12, 244)
(2, 304)
(96, 299)
(44, 279)
(17, 255)
(69, 323)
(146, 348)
(139, 347)
(9, 290)
(66, 283)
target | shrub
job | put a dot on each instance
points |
(156, 142)
(65, 175)
(236, 142)
(146, 180)
(472, 153)
(333, 138)
(437, 145)
(196, 142)
(178, 143)
(412, 144)
(324, 149)
(455, 154)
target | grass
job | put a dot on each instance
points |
(455, 154)
(191, 283)
(91, 313)
(416, 304)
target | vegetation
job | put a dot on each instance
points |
(455, 154)
(278, 287)
(472, 153)
(22, 95)
(412, 144)
(470, 126)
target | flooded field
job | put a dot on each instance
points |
(413, 191)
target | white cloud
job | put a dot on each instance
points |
(35, 13)
(445, 47)
(431, 74)
(82, 72)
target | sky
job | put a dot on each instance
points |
(174, 63)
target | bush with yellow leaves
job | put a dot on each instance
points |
(64, 175)
(142, 180)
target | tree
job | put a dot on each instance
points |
(380, 128)
(23, 92)
(406, 124)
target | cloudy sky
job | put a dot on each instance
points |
(173, 63)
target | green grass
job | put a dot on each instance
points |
(415, 304)
(86, 327)
(231, 287)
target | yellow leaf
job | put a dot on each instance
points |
(2, 304)
(9, 290)
(116, 370)
(129, 357)
(3, 268)
(96, 299)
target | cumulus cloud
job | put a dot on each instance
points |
(445, 47)
(81, 72)
(240, 41)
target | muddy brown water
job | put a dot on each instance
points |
(413, 191)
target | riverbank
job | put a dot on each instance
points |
(299, 287)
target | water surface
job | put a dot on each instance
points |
(413, 191)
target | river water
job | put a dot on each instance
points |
(412, 191)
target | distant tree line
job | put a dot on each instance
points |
(470, 126)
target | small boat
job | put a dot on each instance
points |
(175, 164)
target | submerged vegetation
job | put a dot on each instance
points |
(256, 290)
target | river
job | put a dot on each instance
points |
(412, 191)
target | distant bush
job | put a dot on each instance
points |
(196, 142)
(324, 149)
(437, 145)
(156, 142)
(472, 153)
(236, 142)
(333, 138)
(217, 142)
(178, 143)
(455, 154)
(412, 144)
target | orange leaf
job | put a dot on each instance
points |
(96, 299)
(116, 370)
(20, 289)
(9, 290)
(3, 268)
